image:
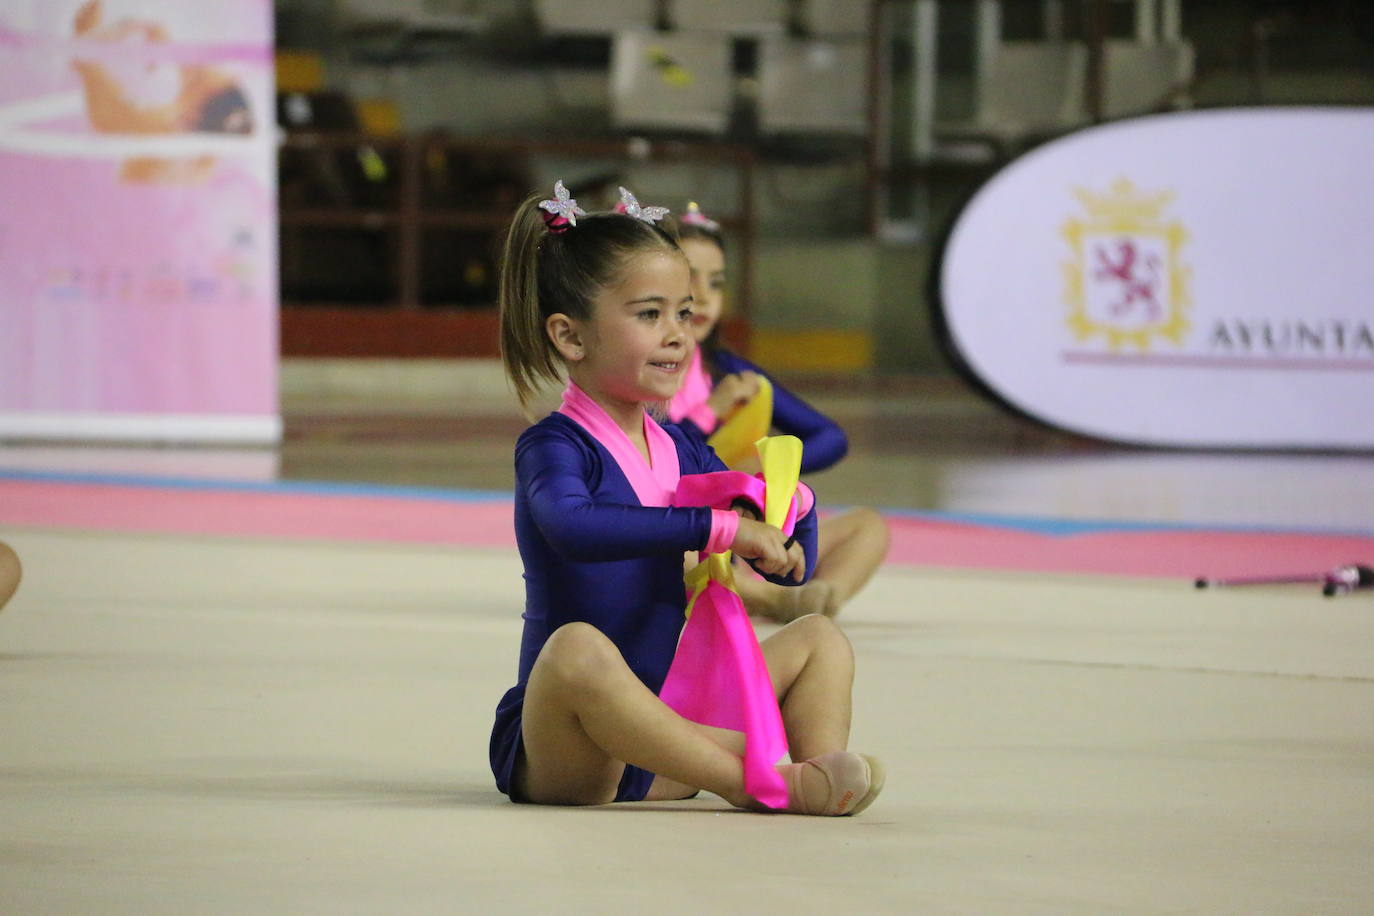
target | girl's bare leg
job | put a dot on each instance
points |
(858, 542)
(851, 545)
(586, 714)
(10, 573)
(811, 665)
(784, 602)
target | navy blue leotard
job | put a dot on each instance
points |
(594, 553)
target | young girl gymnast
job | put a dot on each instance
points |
(604, 299)
(853, 543)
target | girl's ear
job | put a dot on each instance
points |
(566, 337)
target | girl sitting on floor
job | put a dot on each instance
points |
(605, 300)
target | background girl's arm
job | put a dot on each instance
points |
(823, 442)
(552, 471)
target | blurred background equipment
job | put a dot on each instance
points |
(671, 81)
(876, 119)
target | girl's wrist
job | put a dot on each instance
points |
(724, 527)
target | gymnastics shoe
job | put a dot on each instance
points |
(852, 781)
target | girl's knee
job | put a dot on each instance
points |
(822, 634)
(10, 572)
(871, 520)
(579, 654)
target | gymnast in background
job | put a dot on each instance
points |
(719, 382)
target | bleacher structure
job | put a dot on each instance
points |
(1026, 89)
(737, 17)
(813, 85)
(1140, 76)
(673, 70)
(594, 17)
(672, 81)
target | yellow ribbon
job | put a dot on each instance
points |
(780, 457)
(734, 440)
(715, 567)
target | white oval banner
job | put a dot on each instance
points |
(1191, 279)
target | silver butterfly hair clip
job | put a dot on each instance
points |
(562, 211)
(631, 207)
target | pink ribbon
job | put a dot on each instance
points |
(718, 676)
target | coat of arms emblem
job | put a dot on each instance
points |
(1125, 282)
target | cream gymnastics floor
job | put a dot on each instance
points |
(267, 696)
(207, 724)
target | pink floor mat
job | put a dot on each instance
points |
(1163, 552)
(431, 517)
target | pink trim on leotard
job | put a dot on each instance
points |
(653, 484)
(653, 481)
(690, 400)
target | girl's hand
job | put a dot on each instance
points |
(732, 391)
(767, 547)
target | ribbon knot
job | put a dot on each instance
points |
(715, 568)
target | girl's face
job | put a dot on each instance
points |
(637, 345)
(708, 284)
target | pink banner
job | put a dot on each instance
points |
(138, 247)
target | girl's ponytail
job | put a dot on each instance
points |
(525, 351)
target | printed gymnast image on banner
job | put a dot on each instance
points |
(138, 240)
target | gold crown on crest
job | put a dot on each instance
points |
(1124, 203)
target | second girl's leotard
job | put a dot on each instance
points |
(823, 442)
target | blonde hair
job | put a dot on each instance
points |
(545, 273)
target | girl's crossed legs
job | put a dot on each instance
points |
(586, 715)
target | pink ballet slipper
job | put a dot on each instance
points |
(852, 781)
